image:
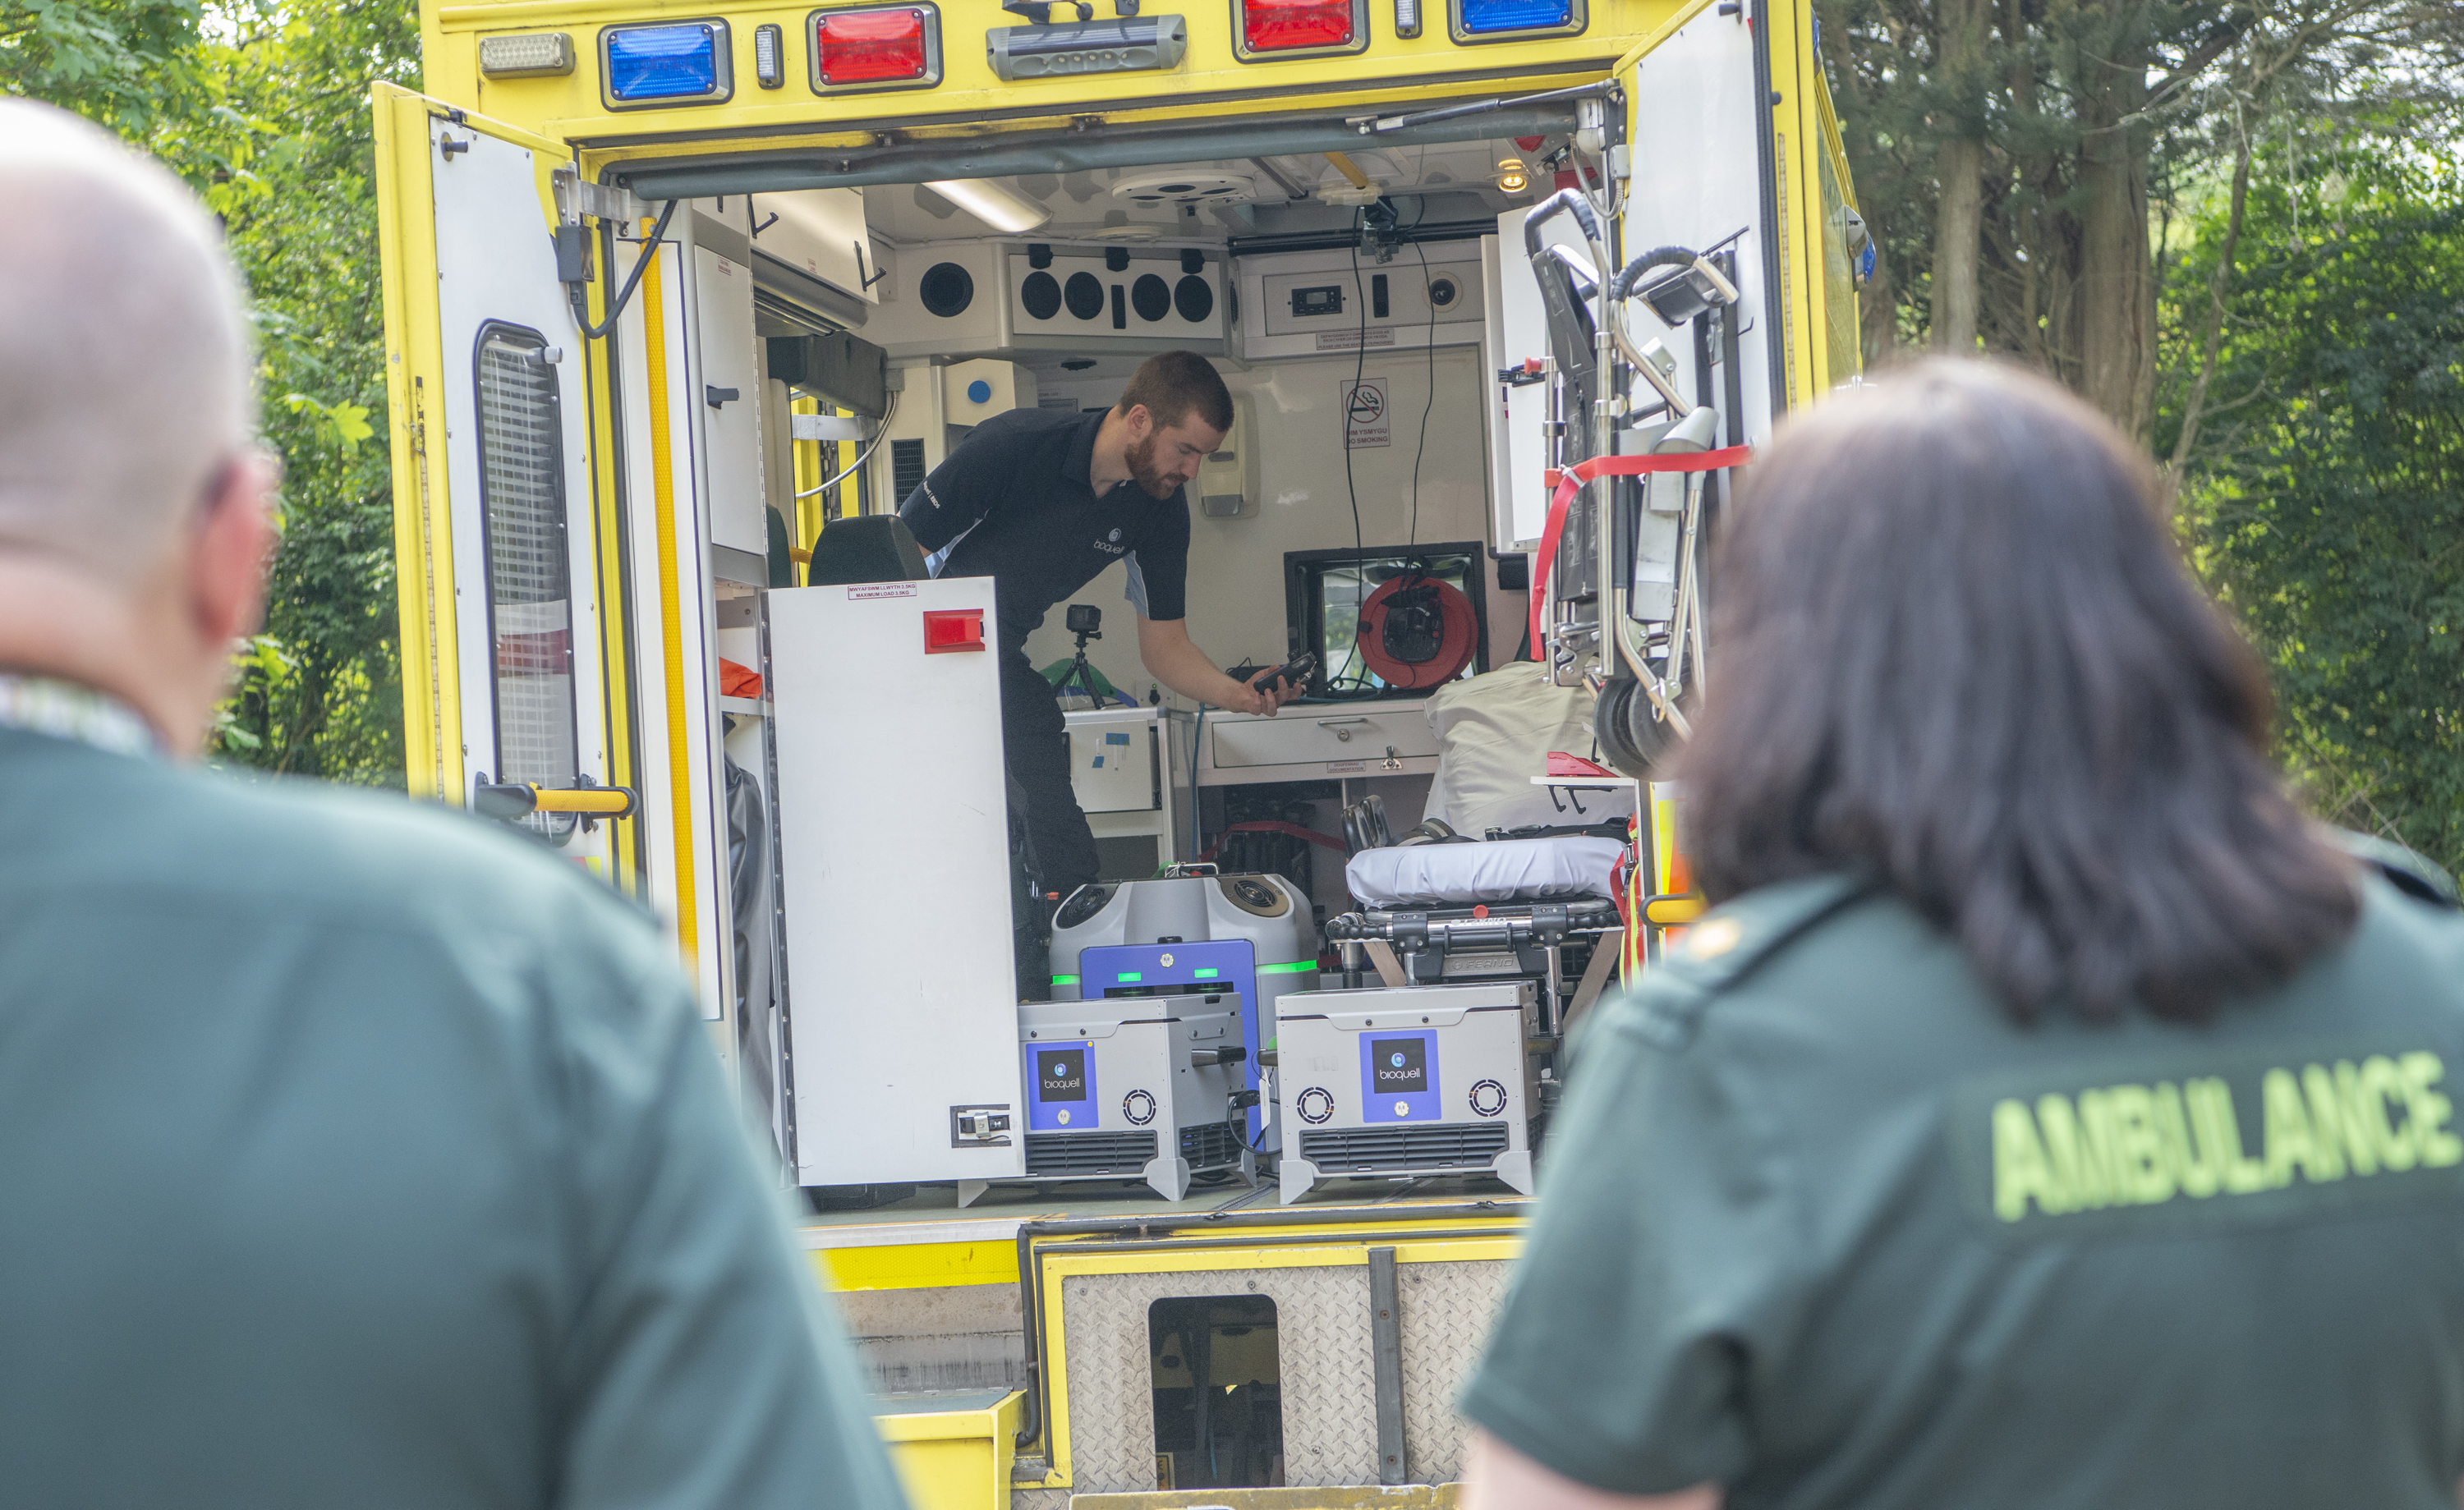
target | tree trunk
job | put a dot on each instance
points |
(2117, 291)
(1957, 229)
(1959, 167)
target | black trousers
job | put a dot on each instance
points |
(1060, 846)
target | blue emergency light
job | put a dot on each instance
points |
(658, 64)
(1498, 20)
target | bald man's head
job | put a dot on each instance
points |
(124, 387)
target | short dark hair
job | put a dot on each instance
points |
(1173, 384)
(1956, 653)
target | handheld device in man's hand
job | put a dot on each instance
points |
(1295, 671)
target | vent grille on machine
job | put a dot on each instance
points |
(905, 469)
(1364, 1150)
(1053, 1154)
(1210, 1145)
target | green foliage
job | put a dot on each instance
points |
(2330, 510)
(124, 63)
(280, 146)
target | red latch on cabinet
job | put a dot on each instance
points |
(947, 629)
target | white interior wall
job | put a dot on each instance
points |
(1236, 585)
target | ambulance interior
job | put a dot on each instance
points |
(1347, 301)
(1361, 306)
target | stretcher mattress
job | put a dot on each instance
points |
(1501, 870)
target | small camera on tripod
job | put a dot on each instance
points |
(1085, 619)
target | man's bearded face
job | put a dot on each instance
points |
(1168, 458)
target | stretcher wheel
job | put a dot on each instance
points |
(1631, 732)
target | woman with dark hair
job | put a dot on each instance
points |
(2049, 1114)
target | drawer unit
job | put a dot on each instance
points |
(1304, 743)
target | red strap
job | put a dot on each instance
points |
(1270, 825)
(1570, 483)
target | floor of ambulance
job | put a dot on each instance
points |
(1002, 1209)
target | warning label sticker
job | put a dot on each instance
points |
(881, 590)
(1364, 414)
(1354, 339)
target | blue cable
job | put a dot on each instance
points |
(1197, 728)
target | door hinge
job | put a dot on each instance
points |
(576, 197)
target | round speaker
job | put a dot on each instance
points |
(1194, 298)
(1443, 291)
(1151, 297)
(1041, 294)
(1084, 294)
(947, 289)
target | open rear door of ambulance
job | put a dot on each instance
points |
(1727, 117)
(505, 671)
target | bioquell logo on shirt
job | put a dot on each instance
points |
(1112, 545)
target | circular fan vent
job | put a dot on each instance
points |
(1175, 186)
(947, 288)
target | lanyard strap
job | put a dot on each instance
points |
(1570, 483)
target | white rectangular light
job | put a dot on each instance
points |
(532, 54)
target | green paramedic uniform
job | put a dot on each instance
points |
(1821, 1226)
(356, 1155)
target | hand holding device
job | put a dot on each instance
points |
(1295, 671)
(1275, 685)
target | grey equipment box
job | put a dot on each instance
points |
(1415, 1081)
(1134, 1088)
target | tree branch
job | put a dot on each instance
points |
(2216, 287)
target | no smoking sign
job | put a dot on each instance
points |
(1364, 414)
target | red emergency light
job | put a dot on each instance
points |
(1302, 26)
(876, 48)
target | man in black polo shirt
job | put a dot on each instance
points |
(1040, 501)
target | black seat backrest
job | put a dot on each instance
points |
(868, 548)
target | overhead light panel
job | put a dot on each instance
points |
(886, 47)
(1265, 28)
(532, 54)
(687, 62)
(1006, 211)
